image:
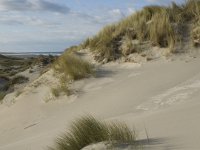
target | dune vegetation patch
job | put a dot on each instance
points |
(88, 130)
(69, 68)
(19, 79)
(160, 26)
(2, 95)
(152, 26)
(73, 67)
(7, 84)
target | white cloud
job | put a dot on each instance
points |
(130, 11)
(32, 5)
(23, 22)
(116, 13)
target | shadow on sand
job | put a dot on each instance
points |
(148, 144)
(102, 73)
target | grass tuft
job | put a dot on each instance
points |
(72, 67)
(62, 88)
(121, 133)
(2, 95)
(88, 130)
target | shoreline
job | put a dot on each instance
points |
(30, 54)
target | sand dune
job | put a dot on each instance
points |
(161, 96)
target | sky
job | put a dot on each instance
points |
(53, 25)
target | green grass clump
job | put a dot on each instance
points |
(120, 133)
(72, 67)
(88, 130)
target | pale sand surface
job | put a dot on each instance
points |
(161, 96)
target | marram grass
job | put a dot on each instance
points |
(161, 32)
(70, 68)
(88, 130)
(73, 67)
(159, 25)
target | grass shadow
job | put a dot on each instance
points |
(102, 73)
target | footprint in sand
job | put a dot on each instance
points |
(172, 96)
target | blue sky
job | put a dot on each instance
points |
(53, 25)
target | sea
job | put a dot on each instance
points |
(30, 54)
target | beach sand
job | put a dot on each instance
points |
(160, 99)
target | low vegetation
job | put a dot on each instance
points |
(159, 25)
(19, 79)
(10, 66)
(88, 130)
(2, 95)
(70, 68)
(4, 83)
(7, 85)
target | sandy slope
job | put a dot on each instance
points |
(161, 96)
